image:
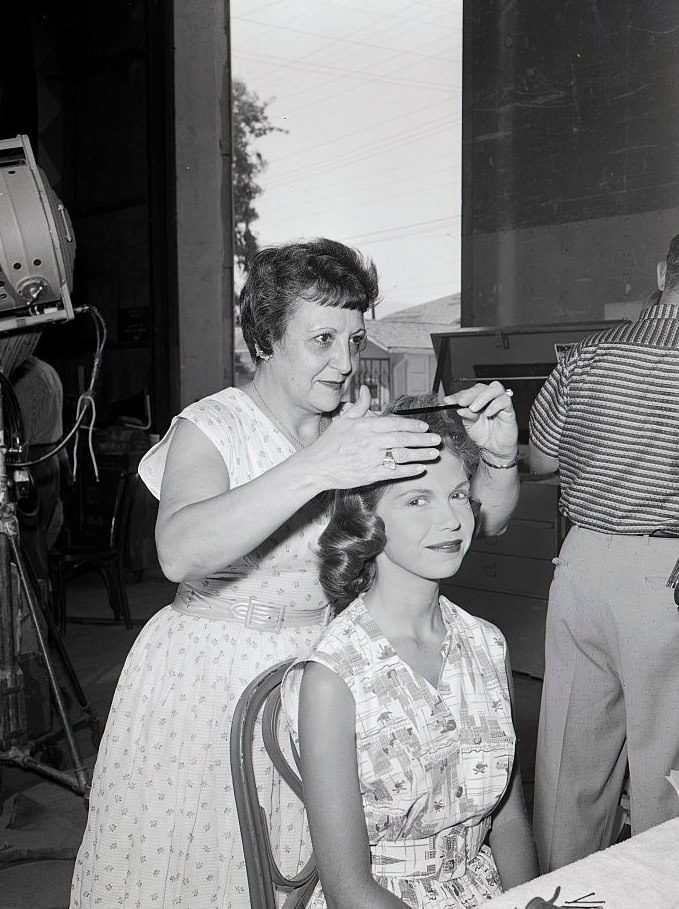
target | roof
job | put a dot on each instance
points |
(443, 309)
(411, 328)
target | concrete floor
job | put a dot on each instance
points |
(42, 822)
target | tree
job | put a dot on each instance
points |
(250, 122)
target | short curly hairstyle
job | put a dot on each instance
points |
(355, 535)
(318, 270)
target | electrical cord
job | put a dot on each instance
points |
(85, 403)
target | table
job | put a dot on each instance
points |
(639, 873)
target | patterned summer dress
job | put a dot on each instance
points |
(162, 829)
(433, 762)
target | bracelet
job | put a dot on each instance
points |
(512, 463)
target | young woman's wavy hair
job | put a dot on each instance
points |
(355, 535)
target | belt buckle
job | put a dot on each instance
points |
(252, 621)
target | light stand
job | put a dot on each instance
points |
(14, 740)
(36, 258)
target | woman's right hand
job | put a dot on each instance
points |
(354, 449)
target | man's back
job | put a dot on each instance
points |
(610, 415)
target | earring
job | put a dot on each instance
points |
(260, 353)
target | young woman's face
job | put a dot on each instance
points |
(318, 354)
(428, 521)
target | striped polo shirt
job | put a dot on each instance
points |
(610, 414)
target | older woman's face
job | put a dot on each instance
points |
(319, 353)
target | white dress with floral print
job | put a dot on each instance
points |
(433, 762)
(162, 829)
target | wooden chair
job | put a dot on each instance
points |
(108, 558)
(262, 696)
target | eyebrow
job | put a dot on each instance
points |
(419, 490)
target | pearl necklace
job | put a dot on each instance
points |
(288, 433)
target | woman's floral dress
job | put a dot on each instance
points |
(433, 761)
(162, 829)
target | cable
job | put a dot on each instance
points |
(85, 402)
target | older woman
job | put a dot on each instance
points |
(241, 477)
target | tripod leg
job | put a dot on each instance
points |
(80, 771)
(13, 729)
(53, 622)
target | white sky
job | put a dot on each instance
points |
(369, 92)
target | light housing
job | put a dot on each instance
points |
(37, 246)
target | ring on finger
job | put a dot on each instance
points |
(389, 461)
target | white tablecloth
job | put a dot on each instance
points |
(641, 873)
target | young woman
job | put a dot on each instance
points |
(402, 712)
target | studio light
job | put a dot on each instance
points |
(37, 246)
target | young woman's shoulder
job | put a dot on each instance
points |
(473, 623)
(346, 630)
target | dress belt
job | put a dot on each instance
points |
(251, 612)
(443, 856)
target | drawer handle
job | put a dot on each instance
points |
(490, 570)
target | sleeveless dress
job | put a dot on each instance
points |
(162, 829)
(433, 762)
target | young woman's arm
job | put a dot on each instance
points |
(511, 836)
(327, 745)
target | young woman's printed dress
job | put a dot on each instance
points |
(162, 830)
(433, 762)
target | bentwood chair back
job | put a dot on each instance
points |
(108, 558)
(265, 877)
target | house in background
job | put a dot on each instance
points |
(399, 358)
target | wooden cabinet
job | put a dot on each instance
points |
(506, 579)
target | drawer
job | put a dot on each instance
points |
(535, 539)
(538, 500)
(520, 619)
(505, 574)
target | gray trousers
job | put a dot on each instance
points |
(610, 695)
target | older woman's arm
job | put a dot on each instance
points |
(488, 416)
(205, 524)
(327, 731)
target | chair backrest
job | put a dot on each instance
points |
(262, 697)
(128, 481)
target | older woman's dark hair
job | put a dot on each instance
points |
(319, 271)
(355, 535)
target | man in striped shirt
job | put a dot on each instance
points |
(607, 419)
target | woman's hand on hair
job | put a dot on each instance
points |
(352, 450)
(487, 413)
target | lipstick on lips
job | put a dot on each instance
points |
(449, 546)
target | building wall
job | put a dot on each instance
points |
(203, 184)
(570, 157)
(412, 373)
(127, 104)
